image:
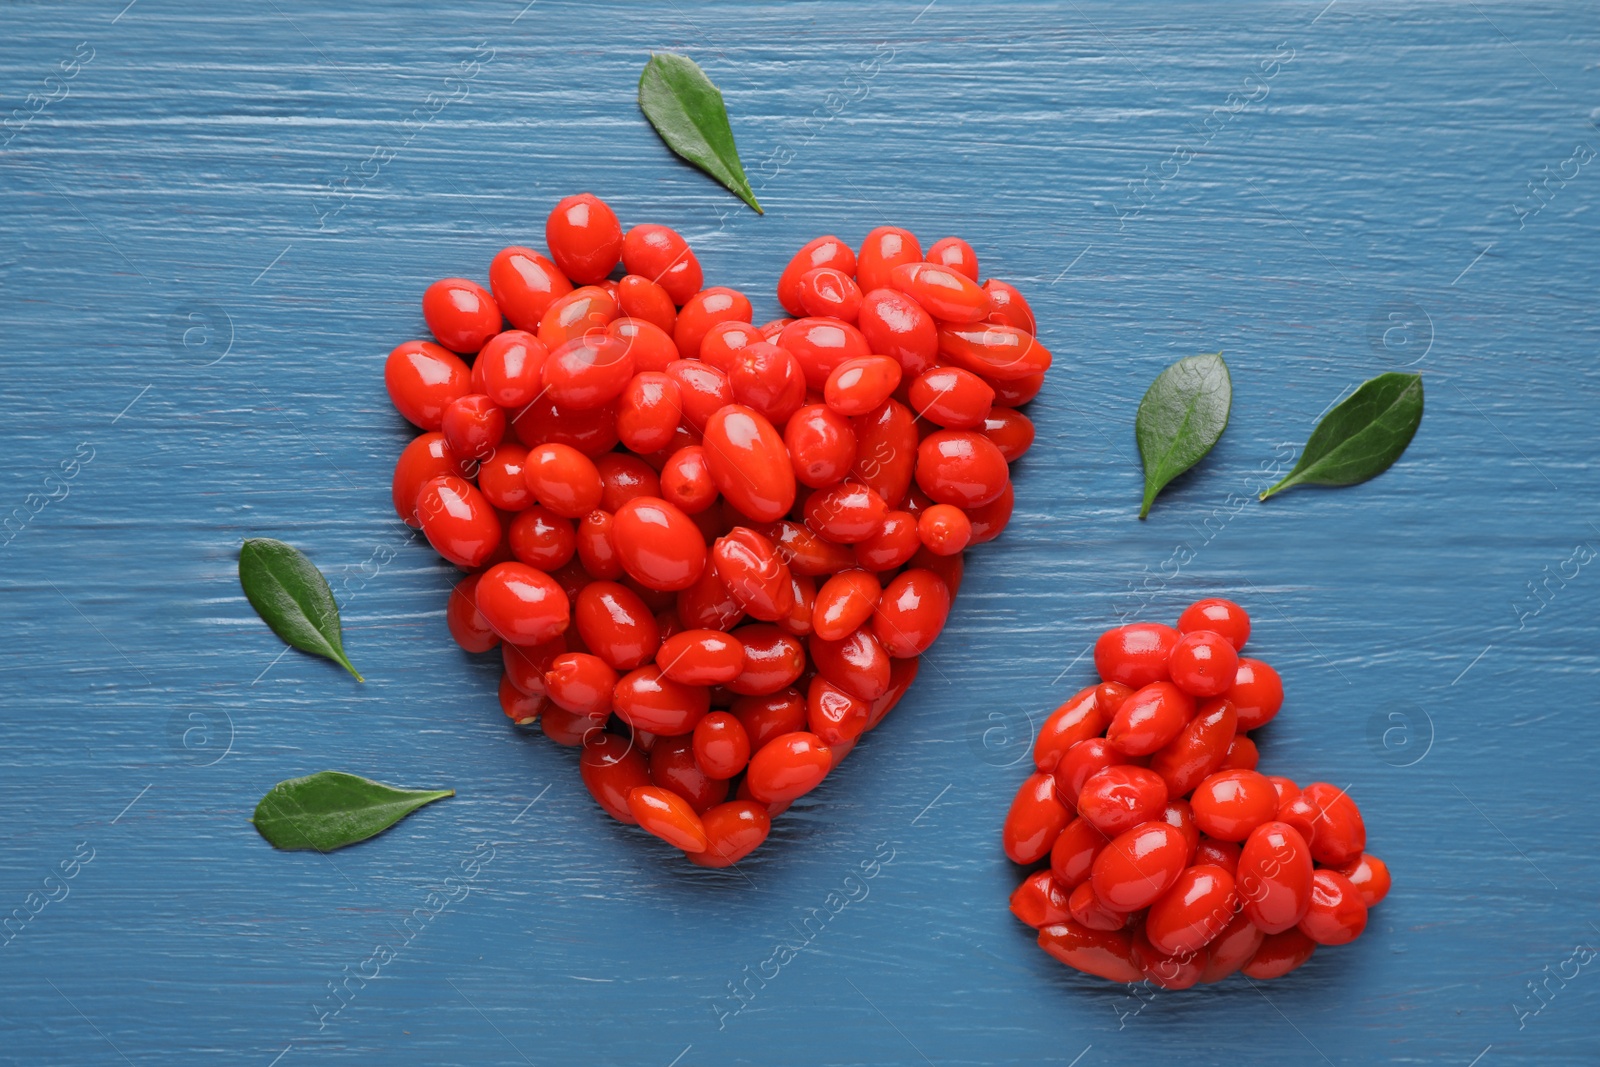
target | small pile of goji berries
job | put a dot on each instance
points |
(1170, 858)
(710, 552)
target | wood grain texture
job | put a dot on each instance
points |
(1373, 161)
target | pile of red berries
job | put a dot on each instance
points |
(1170, 858)
(710, 552)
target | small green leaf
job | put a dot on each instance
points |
(293, 598)
(1362, 436)
(1181, 416)
(330, 810)
(687, 111)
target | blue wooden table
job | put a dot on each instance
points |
(218, 220)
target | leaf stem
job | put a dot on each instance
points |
(1284, 484)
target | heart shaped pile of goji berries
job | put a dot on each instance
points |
(1170, 858)
(710, 552)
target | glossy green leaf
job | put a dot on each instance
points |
(1362, 436)
(293, 598)
(687, 111)
(330, 810)
(1182, 415)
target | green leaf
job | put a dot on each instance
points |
(330, 810)
(293, 598)
(1181, 416)
(687, 111)
(1362, 436)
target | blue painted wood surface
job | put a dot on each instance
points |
(220, 219)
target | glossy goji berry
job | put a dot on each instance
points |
(1072, 856)
(856, 663)
(473, 425)
(836, 716)
(641, 299)
(896, 326)
(525, 284)
(1191, 914)
(668, 816)
(1040, 900)
(461, 314)
(648, 700)
(769, 380)
(886, 451)
(1199, 748)
(945, 529)
(1150, 719)
(592, 432)
(1230, 805)
(773, 660)
(582, 313)
(956, 254)
(884, 249)
(749, 463)
(722, 343)
(1139, 865)
(584, 238)
(459, 523)
(612, 767)
(502, 479)
(1036, 818)
(1121, 797)
(1257, 693)
(788, 767)
(953, 398)
(660, 254)
(1103, 953)
(563, 479)
(961, 467)
(521, 708)
(701, 657)
(860, 385)
(721, 745)
(997, 353)
(1370, 876)
(659, 546)
(896, 541)
(1135, 655)
(820, 345)
(911, 612)
(1203, 663)
(1338, 834)
(581, 683)
(422, 379)
(844, 603)
(733, 830)
(1242, 754)
(948, 295)
(1274, 879)
(828, 291)
(1078, 718)
(1337, 914)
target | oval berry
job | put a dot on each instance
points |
(584, 238)
(1035, 820)
(1274, 878)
